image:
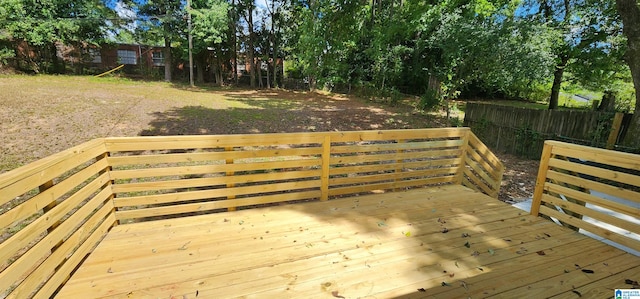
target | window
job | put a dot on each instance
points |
(158, 58)
(127, 57)
(94, 55)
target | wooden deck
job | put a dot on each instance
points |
(441, 242)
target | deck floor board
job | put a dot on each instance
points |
(388, 245)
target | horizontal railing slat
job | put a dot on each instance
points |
(213, 181)
(31, 176)
(601, 173)
(390, 185)
(588, 198)
(216, 168)
(582, 210)
(391, 176)
(593, 185)
(211, 156)
(29, 233)
(386, 167)
(394, 156)
(597, 230)
(419, 145)
(213, 205)
(213, 193)
(103, 217)
(35, 204)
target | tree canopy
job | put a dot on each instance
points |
(523, 49)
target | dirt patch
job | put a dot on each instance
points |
(42, 115)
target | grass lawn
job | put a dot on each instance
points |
(41, 115)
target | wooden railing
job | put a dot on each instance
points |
(54, 212)
(575, 182)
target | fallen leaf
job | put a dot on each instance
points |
(109, 270)
(337, 295)
(491, 252)
(577, 266)
(442, 221)
(577, 293)
(408, 234)
(508, 240)
(422, 290)
(631, 282)
(566, 271)
(480, 268)
(184, 247)
(475, 253)
(588, 271)
(452, 275)
(541, 252)
(464, 285)
(445, 284)
(465, 235)
(241, 222)
(381, 224)
(467, 244)
(445, 230)
(548, 235)
(457, 264)
(226, 220)
(197, 293)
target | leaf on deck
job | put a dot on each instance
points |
(588, 271)
(422, 290)
(541, 252)
(184, 247)
(631, 282)
(467, 244)
(491, 251)
(337, 295)
(577, 293)
(445, 284)
(465, 235)
(445, 230)
(381, 224)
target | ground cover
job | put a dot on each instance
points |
(41, 115)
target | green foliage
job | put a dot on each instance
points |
(429, 100)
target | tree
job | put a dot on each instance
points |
(629, 11)
(210, 18)
(43, 26)
(247, 8)
(582, 32)
(163, 18)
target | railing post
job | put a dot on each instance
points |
(230, 173)
(399, 162)
(615, 130)
(541, 179)
(463, 156)
(110, 182)
(326, 161)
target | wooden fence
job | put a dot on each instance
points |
(575, 182)
(522, 131)
(54, 212)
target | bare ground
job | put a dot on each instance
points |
(43, 115)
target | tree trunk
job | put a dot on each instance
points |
(268, 77)
(557, 82)
(235, 41)
(251, 53)
(200, 66)
(629, 11)
(167, 59)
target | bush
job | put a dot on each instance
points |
(429, 100)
